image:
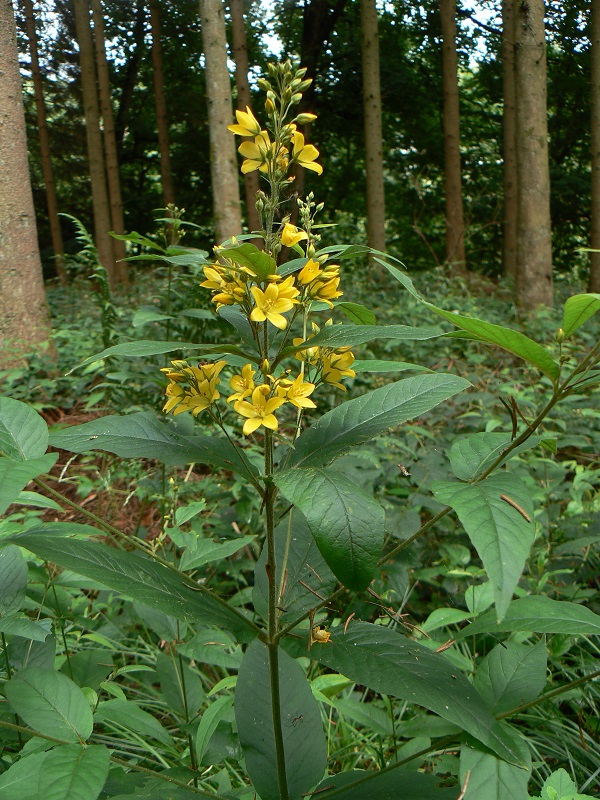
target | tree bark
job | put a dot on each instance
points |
(223, 158)
(373, 131)
(110, 145)
(509, 241)
(47, 171)
(455, 229)
(100, 204)
(161, 106)
(240, 56)
(131, 71)
(534, 233)
(24, 317)
(594, 281)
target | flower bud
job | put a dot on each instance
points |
(304, 85)
(305, 119)
(295, 99)
(264, 84)
(300, 73)
(273, 69)
(269, 106)
(560, 336)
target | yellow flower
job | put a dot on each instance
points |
(326, 292)
(247, 125)
(200, 392)
(336, 366)
(297, 392)
(256, 153)
(310, 354)
(175, 395)
(243, 385)
(287, 289)
(305, 154)
(270, 306)
(310, 271)
(228, 288)
(291, 235)
(259, 411)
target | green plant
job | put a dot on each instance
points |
(128, 691)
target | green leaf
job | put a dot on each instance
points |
(390, 663)
(200, 551)
(351, 335)
(21, 780)
(516, 343)
(37, 500)
(209, 721)
(442, 617)
(143, 348)
(74, 772)
(173, 678)
(540, 614)
(562, 784)
(141, 435)
(360, 315)
(213, 647)
(23, 432)
(144, 315)
(499, 532)
(511, 674)
(50, 703)
(138, 577)
(374, 365)
(13, 579)
(89, 667)
(17, 625)
(470, 455)
(347, 522)
(578, 309)
(248, 255)
(305, 567)
(490, 778)
(359, 420)
(397, 784)
(303, 736)
(16, 474)
(126, 714)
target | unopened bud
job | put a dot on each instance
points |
(560, 336)
(305, 119)
(287, 94)
(269, 106)
(273, 69)
(300, 73)
(264, 84)
(295, 99)
(304, 85)
(265, 367)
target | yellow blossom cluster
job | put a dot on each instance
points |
(330, 364)
(191, 388)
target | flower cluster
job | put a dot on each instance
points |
(191, 388)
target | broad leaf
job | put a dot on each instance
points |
(125, 714)
(50, 703)
(23, 432)
(500, 533)
(393, 784)
(173, 678)
(308, 577)
(143, 348)
(235, 317)
(17, 625)
(351, 335)
(21, 779)
(373, 365)
(141, 435)
(471, 455)
(199, 551)
(303, 736)
(144, 315)
(359, 420)
(540, 614)
(248, 255)
(357, 313)
(384, 660)
(37, 500)
(209, 721)
(563, 785)
(74, 772)
(347, 522)
(578, 309)
(138, 577)
(13, 579)
(490, 778)
(511, 674)
(16, 474)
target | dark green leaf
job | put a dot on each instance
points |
(138, 577)
(141, 435)
(173, 676)
(360, 315)
(359, 420)
(143, 348)
(397, 784)
(304, 563)
(209, 721)
(248, 255)
(540, 614)
(16, 474)
(144, 315)
(126, 714)
(21, 780)
(374, 365)
(351, 335)
(388, 662)
(210, 646)
(89, 667)
(74, 772)
(511, 674)
(347, 522)
(23, 433)
(50, 703)
(470, 455)
(578, 309)
(235, 317)
(490, 778)
(13, 579)
(37, 500)
(17, 625)
(303, 736)
(500, 533)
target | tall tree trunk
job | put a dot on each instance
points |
(223, 158)
(47, 171)
(594, 282)
(534, 233)
(131, 71)
(373, 132)
(102, 221)
(240, 56)
(110, 145)
(509, 240)
(24, 318)
(161, 106)
(455, 228)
